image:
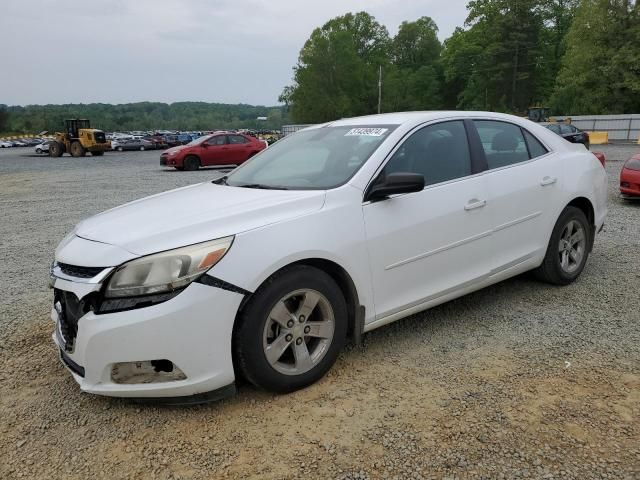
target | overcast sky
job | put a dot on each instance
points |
(119, 51)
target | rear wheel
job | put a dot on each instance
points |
(568, 248)
(120, 149)
(191, 163)
(292, 330)
(98, 153)
(55, 149)
(142, 148)
(77, 150)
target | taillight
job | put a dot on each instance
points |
(600, 157)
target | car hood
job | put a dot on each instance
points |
(195, 214)
(178, 148)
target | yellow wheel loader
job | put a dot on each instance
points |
(78, 139)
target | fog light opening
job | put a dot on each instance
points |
(162, 365)
(148, 371)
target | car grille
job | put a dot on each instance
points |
(70, 309)
(80, 272)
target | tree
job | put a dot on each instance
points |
(601, 67)
(4, 118)
(413, 80)
(497, 61)
(337, 70)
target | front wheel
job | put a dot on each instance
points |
(38, 150)
(55, 149)
(292, 330)
(568, 248)
(119, 149)
(191, 163)
(142, 148)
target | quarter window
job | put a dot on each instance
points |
(503, 143)
(536, 149)
(440, 152)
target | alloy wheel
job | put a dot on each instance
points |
(298, 332)
(572, 246)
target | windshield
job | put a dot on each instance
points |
(199, 140)
(319, 158)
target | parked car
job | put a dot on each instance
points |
(569, 133)
(332, 232)
(222, 148)
(5, 144)
(132, 144)
(42, 147)
(18, 143)
(630, 178)
(158, 141)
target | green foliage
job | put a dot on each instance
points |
(601, 69)
(144, 116)
(337, 69)
(4, 118)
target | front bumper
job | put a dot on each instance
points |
(192, 330)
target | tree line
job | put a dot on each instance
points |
(185, 116)
(572, 56)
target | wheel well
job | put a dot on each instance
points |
(587, 208)
(355, 311)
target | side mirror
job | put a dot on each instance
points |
(395, 183)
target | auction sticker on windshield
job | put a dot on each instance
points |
(369, 132)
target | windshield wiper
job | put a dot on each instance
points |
(220, 181)
(261, 186)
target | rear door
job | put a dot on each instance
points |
(524, 189)
(239, 148)
(428, 244)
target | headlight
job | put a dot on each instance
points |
(166, 271)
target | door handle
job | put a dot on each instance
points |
(474, 203)
(548, 181)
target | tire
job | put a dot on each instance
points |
(120, 149)
(77, 150)
(568, 249)
(38, 150)
(55, 149)
(142, 148)
(191, 162)
(257, 332)
(98, 153)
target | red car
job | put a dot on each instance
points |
(220, 148)
(630, 178)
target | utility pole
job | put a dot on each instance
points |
(380, 89)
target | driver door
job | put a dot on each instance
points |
(426, 245)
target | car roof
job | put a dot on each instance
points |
(400, 118)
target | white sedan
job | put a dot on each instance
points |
(4, 144)
(334, 231)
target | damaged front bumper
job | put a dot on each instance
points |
(178, 351)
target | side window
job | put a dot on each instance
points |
(503, 143)
(237, 139)
(440, 152)
(217, 140)
(536, 149)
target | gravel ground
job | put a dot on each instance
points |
(520, 380)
